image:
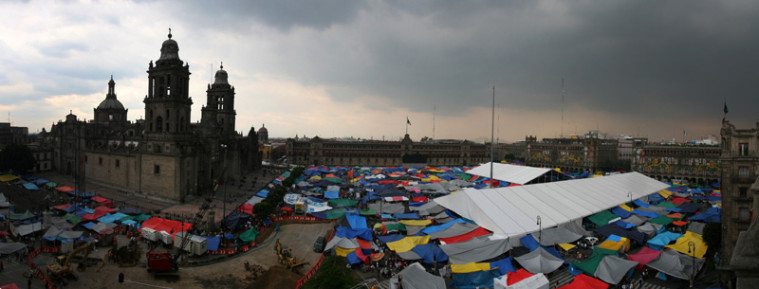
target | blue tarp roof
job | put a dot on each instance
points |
(332, 194)
(663, 239)
(430, 253)
(479, 279)
(31, 187)
(641, 203)
(645, 214)
(406, 216)
(213, 243)
(356, 222)
(263, 193)
(390, 238)
(349, 233)
(110, 218)
(504, 265)
(437, 228)
(622, 213)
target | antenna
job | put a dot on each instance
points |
(563, 93)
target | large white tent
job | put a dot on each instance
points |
(509, 173)
(513, 211)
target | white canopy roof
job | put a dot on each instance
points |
(509, 173)
(513, 211)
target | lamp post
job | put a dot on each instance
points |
(540, 229)
(630, 195)
(692, 252)
(224, 181)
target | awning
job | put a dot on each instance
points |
(509, 173)
(514, 211)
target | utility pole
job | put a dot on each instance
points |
(492, 138)
(563, 92)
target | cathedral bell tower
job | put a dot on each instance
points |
(110, 111)
(167, 104)
(218, 116)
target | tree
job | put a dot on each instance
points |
(713, 236)
(333, 274)
(17, 158)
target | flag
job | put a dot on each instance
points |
(408, 121)
(725, 109)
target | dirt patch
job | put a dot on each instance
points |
(275, 278)
(225, 281)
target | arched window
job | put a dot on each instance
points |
(159, 124)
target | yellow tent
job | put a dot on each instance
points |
(665, 193)
(416, 222)
(342, 252)
(407, 243)
(469, 267)
(8, 178)
(567, 246)
(681, 245)
(626, 207)
(432, 178)
(621, 246)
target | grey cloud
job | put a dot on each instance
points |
(61, 49)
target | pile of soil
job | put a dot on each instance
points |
(275, 278)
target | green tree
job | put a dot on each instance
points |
(333, 274)
(17, 158)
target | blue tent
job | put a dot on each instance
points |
(213, 243)
(390, 238)
(645, 214)
(437, 228)
(349, 233)
(31, 187)
(663, 239)
(504, 266)
(479, 279)
(641, 203)
(430, 253)
(332, 194)
(406, 216)
(263, 193)
(353, 260)
(356, 222)
(622, 213)
(611, 229)
(624, 225)
(40, 182)
(711, 215)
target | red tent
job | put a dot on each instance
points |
(64, 189)
(679, 200)
(644, 256)
(480, 231)
(516, 276)
(247, 208)
(62, 207)
(102, 201)
(583, 281)
(9, 286)
(420, 199)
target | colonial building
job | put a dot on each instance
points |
(385, 153)
(586, 153)
(13, 134)
(165, 155)
(739, 163)
(693, 163)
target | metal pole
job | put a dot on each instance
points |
(692, 251)
(492, 139)
(540, 230)
(224, 180)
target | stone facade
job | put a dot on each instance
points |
(739, 163)
(13, 134)
(165, 155)
(745, 259)
(694, 163)
(587, 153)
(385, 153)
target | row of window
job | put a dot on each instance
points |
(117, 164)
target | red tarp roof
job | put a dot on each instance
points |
(644, 256)
(583, 281)
(247, 208)
(171, 226)
(515, 277)
(480, 231)
(64, 189)
(62, 207)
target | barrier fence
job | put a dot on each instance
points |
(311, 272)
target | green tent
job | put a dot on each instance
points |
(139, 218)
(22, 216)
(464, 176)
(73, 219)
(662, 220)
(367, 212)
(334, 214)
(395, 227)
(249, 235)
(602, 218)
(340, 203)
(51, 185)
(590, 265)
(333, 180)
(667, 205)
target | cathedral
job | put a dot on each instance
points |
(164, 156)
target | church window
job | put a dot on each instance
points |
(118, 163)
(159, 124)
(743, 149)
(110, 117)
(743, 172)
(156, 169)
(100, 161)
(743, 192)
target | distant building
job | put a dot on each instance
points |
(385, 153)
(43, 156)
(693, 163)
(165, 155)
(573, 154)
(13, 134)
(628, 147)
(739, 170)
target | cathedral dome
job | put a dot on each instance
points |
(169, 49)
(221, 76)
(111, 103)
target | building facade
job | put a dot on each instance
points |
(693, 163)
(13, 134)
(739, 166)
(586, 153)
(320, 151)
(165, 155)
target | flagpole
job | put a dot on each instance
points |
(492, 139)
(406, 124)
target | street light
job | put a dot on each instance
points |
(692, 252)
(630, 194)
(540, 229)
(224, 181)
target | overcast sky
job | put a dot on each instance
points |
(358, 68)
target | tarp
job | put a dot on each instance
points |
(8, 178)
(682, 245)
(249, 235)
(611, 229)
(590, 264)
(20, 217)
(465, 237)
(677, 265)
(31, 187)
(504, 265)
(9, 286)
(650, 229)
(603, 218)
(10, 248)
(644, 256)
(474, 280)
(620, 244)
(635, 220)
(612, 269)
(349, 233)
(475, 250)
(663, 239)
(430, 253)
(696, 227)
(553, 236)
(585, 282)
(356, 221)
(509, 173)
(513, 211)
(470, 267)
(110, 218)
(341, 242)
(540, 261)
(64, 189)
(27, 229)
(536, 281)
(455, 229)
(415, 277)
(407, 243)
(661, 220)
